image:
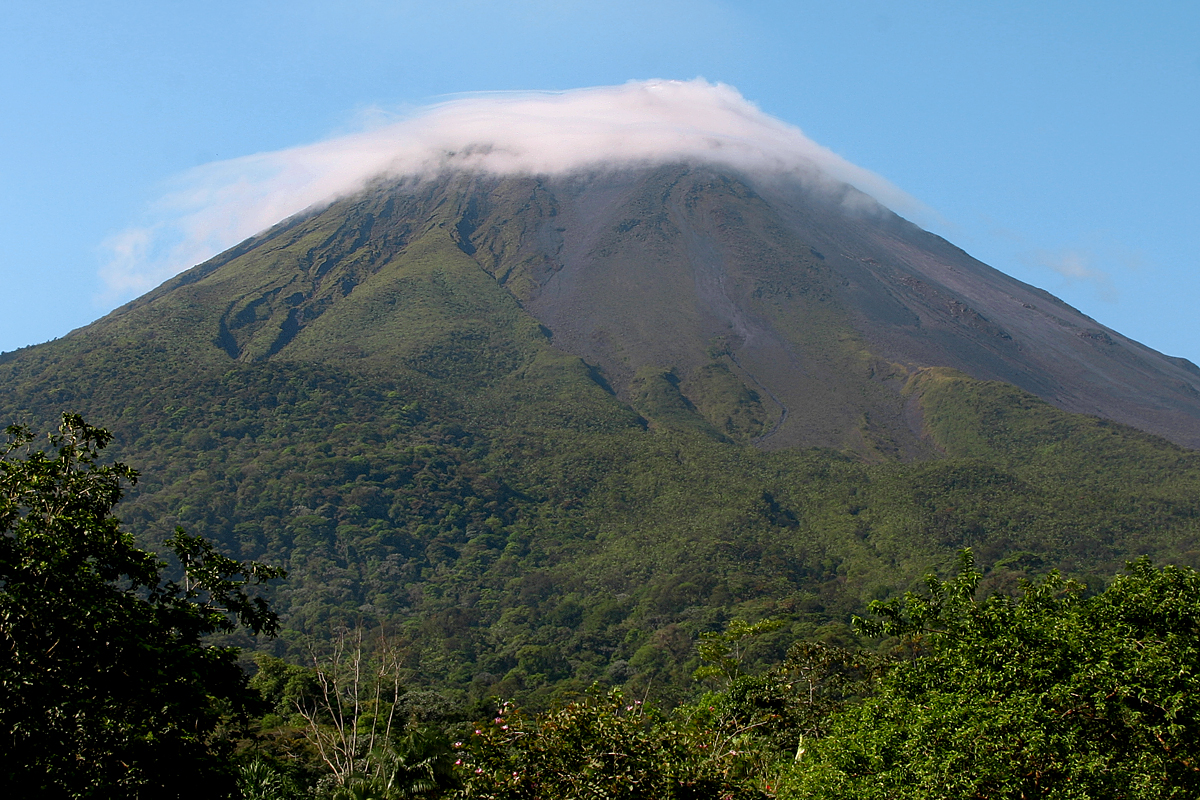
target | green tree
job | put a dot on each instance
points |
(603, 747)
(1047, 695)
(417, 764)
(107, 687)
(724, 651)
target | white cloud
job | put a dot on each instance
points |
(1077, 267)
(217, 205)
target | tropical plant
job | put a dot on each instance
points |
(418, 764)
(107, 687)
(1049, 694)
(260, 780)
(602, 746)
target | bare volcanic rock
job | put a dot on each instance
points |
(757, 309)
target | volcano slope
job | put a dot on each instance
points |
(549, 429)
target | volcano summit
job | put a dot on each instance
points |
(671, 227)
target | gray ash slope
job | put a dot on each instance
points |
(762, 311)
(820, 302)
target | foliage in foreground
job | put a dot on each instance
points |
(1048, 693)
(106, 687)
(604, 746)
(1051, 695)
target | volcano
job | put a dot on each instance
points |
(762, 310)
(552, 426)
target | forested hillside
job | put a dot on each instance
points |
(111, 685)
(526, 557)
(365, 397)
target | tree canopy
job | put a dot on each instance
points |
(106, 684)
(109, 687)
(1050, 694)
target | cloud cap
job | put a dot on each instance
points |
(640, 123)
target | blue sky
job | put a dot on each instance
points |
(1055, 141)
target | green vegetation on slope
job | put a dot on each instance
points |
(107, 685)
(523, 558)
(1043, 693)
(360, 398)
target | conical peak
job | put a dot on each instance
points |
(638, 124)
(763, 305)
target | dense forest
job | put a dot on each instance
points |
(527, 559)
(113, 686)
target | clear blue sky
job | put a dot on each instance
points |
(1057, 140)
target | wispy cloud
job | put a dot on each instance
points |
(213, 207)
(1076, 266)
